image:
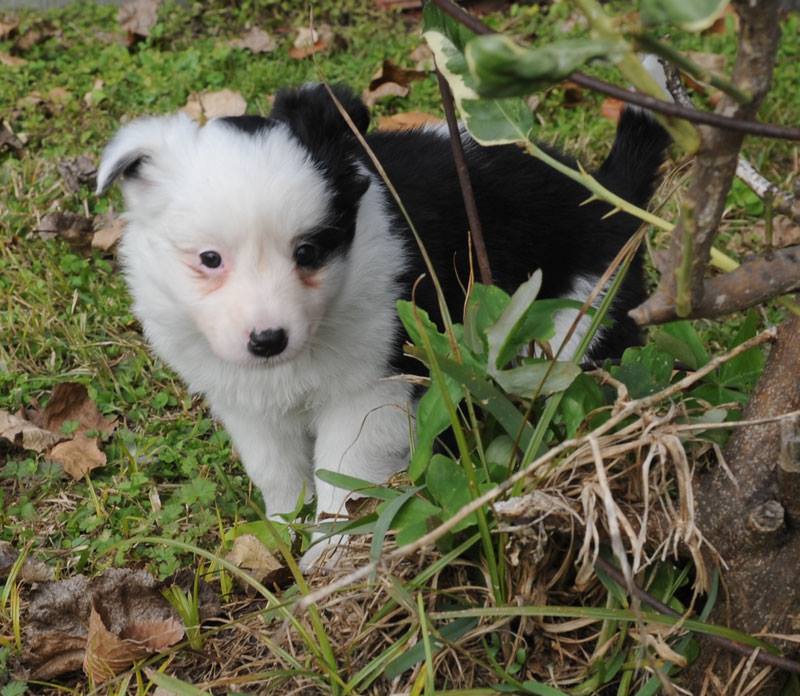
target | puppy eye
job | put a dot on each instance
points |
(210, 259)
(307, 255)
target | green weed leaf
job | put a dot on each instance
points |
(539, 378)
(448, 486)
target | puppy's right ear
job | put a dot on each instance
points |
(145, 152)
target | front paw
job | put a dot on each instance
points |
(324, 555)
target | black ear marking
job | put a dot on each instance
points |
(126, 167)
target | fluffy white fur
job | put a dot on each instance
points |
(322, 403)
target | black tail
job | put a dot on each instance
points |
(638, 151)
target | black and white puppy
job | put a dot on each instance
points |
(265, 256)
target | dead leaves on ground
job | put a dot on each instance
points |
(204, 106)
(32, 570)
(256, 40)
(102, 625)
(68, 430)
(83, 233)
(311, 40)
(390, 80)
(407, 120)
(137, 18)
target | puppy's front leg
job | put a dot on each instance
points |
(364, 435)
(276, 453)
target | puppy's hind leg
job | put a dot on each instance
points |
(364, 435)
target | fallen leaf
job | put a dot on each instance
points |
(386, 90)
(20, 432)
(108, 231)
(611, 109)
(204, 106)
(36, 34)
(11, 61)
(75, 229)
(129, 604)
(713, 62)
(108, 654)
(389, 72)
(70, 401)
(573, 95)
(59, 95)
(249, 554)
(8, 27)
(138, 17)
(76, 171)
(256, 41)
(407, 120)
(78, 456)
(311, 40)
(9, 140)
(32, 570)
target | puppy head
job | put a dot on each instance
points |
(240, 231)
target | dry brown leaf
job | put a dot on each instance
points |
(76, 171)
(138, 17)
(407, 120)
(612, 108)
(311, 40)
(108, 654)
(11, 61)
(75, 229)
(207, 105)
(128, 603)
(713, 62)
(389, 72)
(109, 228)
(78, 456)
(386, 90)
(249, 554)
(573, 94)
(256, 40)
(20, 432)
(70, 401)
(8, 26)
(59, 95)
(37, 34)
(9, 140)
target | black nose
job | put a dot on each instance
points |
(267, 343)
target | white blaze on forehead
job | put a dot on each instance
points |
(238, 185)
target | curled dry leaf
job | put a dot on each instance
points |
(422, 57)
(390, 80)
(108, 231)
(204, 106)
(78, 456)
(256, 40)
(138, 17)
(76, 171)
(407, 120)
(249, 554)
(11, 61)
(129, 606)
(9, 140)
(108, 654)
(8, 25)
(75, 229)
(311, 40)
(384, 91)
(20, 432)
(70, 401)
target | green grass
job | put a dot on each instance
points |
(171, 470)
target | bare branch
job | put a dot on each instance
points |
(714, 169)
(476, 230)
(782, 202)
(756, 280)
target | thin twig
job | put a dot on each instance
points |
(476, 230)
(766, 130)
(629, 409)
(729, 645)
